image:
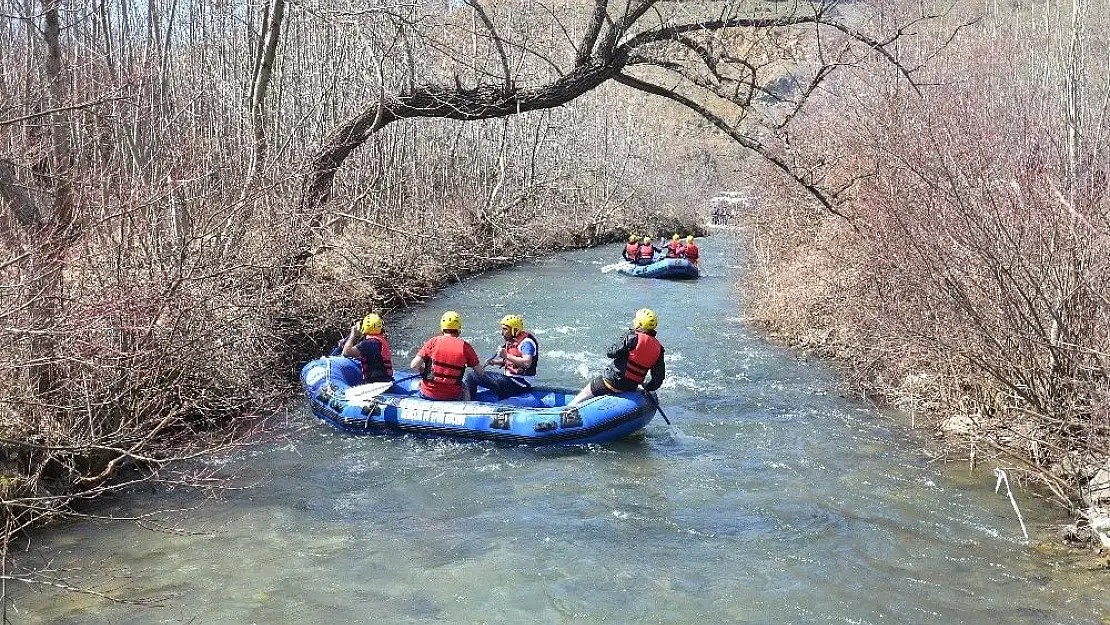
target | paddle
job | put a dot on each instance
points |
(364, 392)
(496, 356)
(655, 402)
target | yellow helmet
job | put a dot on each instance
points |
(675, 237)
(645, 320)
(689, 239)
(371, 324)
(450, 321)
(646, 240)
(515, 323)
(631, 238)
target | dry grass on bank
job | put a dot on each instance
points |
(361, 270)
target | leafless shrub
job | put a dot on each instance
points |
(147, 229)
(971, 281)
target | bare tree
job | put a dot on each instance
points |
(973, 287)
(272, 20)
(730, 55)
(143, 325)
(166, 253)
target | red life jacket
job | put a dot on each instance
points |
(512, 348)
(381, 371)
(631, 251)
(642, 357)
(443, 376)
(672, 249)
(690, 252)
(647, 252)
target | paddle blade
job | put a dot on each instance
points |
(364, 392)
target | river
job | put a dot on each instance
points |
(770, 499)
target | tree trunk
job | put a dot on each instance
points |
(53, 232)
(265, 69)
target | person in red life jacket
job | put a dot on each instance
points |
(689, 251)
(369, 347)
(631, 249)
(637, 361)
(519, 356)
(646, 253)
(674, 246)
(444, 359)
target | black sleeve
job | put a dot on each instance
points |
(658, 373)
(624, 345)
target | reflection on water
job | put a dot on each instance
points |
(771, 499)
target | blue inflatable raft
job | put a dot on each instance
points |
(539, 417)
(666, 268)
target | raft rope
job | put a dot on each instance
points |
(327, 383)
(1001, 475)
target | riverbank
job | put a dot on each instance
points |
(986, 370)
(204, 380)
(384, 279)
(965, 277)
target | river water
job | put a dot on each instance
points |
(770, 499)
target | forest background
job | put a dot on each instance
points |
(197, 195)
